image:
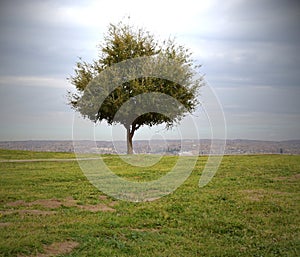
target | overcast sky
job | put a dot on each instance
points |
(249, 51)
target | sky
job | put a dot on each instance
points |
(249, 52)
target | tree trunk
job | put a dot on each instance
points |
(129, 141)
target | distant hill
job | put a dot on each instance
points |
(237, 146)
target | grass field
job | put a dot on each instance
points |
(250, 208)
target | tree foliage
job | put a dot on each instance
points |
(172, 62)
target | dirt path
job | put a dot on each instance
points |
(50, 160)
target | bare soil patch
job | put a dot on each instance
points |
(69, 201)
(56, 248)
(96, 208)
(47, 203)
(297, 176)
(55, 203)
(36, 212)
(16, 203)
(4, 224)
(291, 178)
(145, 229)
(113, 203)
(102, 197)
(30, 212)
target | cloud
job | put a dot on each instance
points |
(249, 51)
(161, 16)
(243, 20)
(260, 98)
(33, 81)
(35, 40)
(263, 126)
(258, 62)
(34, 108)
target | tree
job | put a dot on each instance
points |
(124, 42)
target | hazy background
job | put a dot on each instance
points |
(249, 51)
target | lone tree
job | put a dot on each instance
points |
(124, 42)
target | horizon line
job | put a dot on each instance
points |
(184, 139)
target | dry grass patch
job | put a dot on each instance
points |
(254, 195)
(259, 194)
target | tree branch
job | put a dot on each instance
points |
(134, 127)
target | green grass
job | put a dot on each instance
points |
(250, 208)
(18, 154)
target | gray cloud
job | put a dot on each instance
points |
(258, 20)
(34, 42)
(249, 51)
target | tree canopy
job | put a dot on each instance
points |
(136, 81)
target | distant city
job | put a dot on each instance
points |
(168, 147)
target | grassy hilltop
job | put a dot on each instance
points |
(250, 208)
